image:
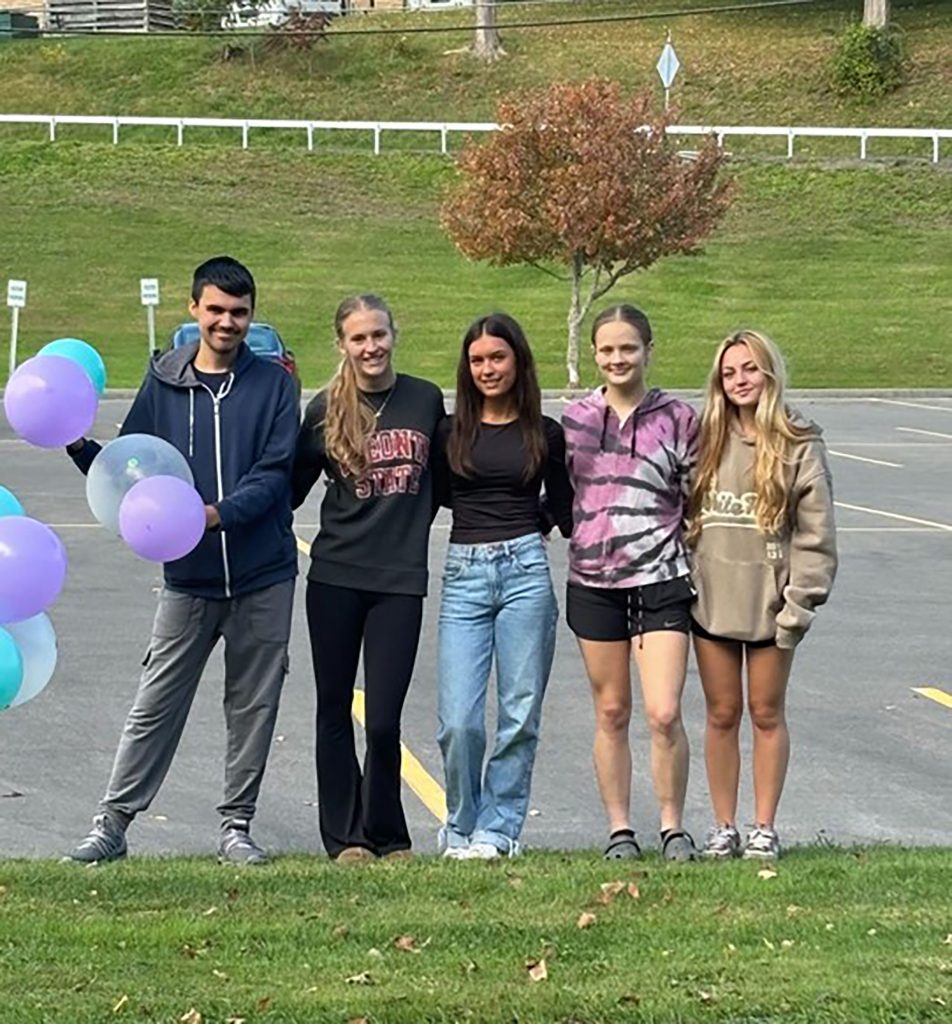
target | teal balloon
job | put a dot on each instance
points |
(11, 669)
(84, 354)
(36, 640)
(9, 503)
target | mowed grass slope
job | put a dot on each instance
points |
(833, 936)
(847, 268)
(750, 67)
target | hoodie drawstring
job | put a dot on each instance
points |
(191, 422)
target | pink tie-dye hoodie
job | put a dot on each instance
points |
(631, 484)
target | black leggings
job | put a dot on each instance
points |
(361, 809)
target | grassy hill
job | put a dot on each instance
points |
(847, 266)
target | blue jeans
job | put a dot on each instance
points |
(497, 599)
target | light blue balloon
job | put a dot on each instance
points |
(80, 352)
(9, 503)
(36, 640)
(11, 669)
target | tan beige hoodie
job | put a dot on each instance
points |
(752, 587)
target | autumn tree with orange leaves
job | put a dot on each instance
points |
(584, 183)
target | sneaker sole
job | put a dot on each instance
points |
(753, 855)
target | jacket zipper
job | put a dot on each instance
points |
(216, 405)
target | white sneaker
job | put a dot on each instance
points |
(483, 851)
(457, 853)
(763, 843)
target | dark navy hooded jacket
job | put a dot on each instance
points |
(240, 447)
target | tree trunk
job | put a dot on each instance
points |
(575, 322)
(876, 13)
(487, 45)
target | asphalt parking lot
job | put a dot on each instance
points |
(870, 702)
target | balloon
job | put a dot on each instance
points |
(50, 401)
(11, 669)
(9, 505)
(122, 464)
(80, 352)
(162, 518)
(36, 641)
(32, 568)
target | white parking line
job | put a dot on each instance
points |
(862, 458)
(895, 515)
(928, 433)
(911, 405)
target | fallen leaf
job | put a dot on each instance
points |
(793, 909)
(706, 997)
(3, 892)
(470, 966)
(947, 941)
(769, 944)
(374, 953)
(766, 873)
(220, 974)
(121, 1004)
(872, 931)
(515, 882)
(360, 979)
(787, 943)
(633, 891)
(358, 1020)
(191, 1016)
(585, 920)
(341, 931)
(630, 1000)
(234, 1020)
(406, 943)
(210, 911)
(609, 890)
(939, 1000)
(233, 894)
(731, 948)
(829, 926)
(263, 1004)
(537, 970)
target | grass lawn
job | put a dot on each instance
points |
(847, 268)
(745, 67)
(835, 936)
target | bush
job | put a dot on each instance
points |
(200, 15)
(868, 61)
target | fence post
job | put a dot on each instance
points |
(310, 138)
(115, 131)
(935, 148)
(180, 131)
(443, 139)
(862, 145)
(52, 129)
(790, 143)
(244, 135)
(376, 140)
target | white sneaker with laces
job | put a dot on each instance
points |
(763, 843)
(723, 842)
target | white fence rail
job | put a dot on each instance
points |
(444, 128)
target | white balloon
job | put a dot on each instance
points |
(36, 640)
(122, 464)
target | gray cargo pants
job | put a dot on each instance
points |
(256, 628)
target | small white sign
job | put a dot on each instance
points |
(668, 65)
(149, 291)
(16, 294)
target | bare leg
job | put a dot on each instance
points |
(720, 664)
(662, 659)
(606, 663)
(768, 670)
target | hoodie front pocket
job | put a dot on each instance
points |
(737, 599)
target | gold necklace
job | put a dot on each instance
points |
(378, 412)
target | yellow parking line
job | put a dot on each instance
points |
(933, 693)
(414, 774)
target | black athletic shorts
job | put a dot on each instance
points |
(609, 613)
(698, 630)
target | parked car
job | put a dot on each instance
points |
(261, 338)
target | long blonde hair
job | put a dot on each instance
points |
(775, 433)
(349, 421)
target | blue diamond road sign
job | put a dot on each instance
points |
(668, 65)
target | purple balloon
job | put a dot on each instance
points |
(32, 568)
(50, 401)
(162, 518)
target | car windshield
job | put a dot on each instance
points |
(262, 339)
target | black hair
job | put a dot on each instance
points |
(469, 400)
(227, 274)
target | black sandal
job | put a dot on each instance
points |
(622, 846)
(678, 846)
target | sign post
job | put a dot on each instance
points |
(668, 65)
(16, 300)
(149, 294)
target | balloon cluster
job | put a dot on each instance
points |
(138, 486)
(32, 573)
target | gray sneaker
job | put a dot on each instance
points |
(106, 842)
(237, 847)
(763, 843)
(723, 842)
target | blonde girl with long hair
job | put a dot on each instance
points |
(370, 433)
(761, 525)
